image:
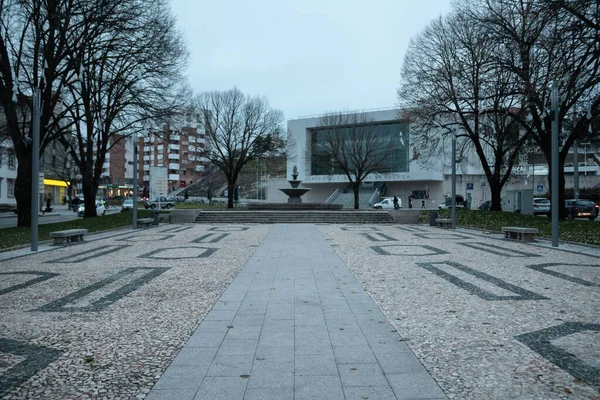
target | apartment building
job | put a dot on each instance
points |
(178, 149)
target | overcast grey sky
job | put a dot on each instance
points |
(306, 56)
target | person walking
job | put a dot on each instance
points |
(396, 206)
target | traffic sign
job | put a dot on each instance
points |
(469, 186)
(540, 188)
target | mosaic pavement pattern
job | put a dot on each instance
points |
(488, 318)
(105, 318)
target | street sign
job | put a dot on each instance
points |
(540, 188)
(469, 186)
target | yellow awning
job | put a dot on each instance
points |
(54, 182)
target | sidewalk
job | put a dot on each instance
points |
(295, 324)
(394, 311)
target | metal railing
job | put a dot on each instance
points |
(333, 196)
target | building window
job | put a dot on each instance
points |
(11, 160)
(10, 188)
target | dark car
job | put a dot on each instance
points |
(486, 205)
(460, 202)
(581, 209)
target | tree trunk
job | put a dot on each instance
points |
(562, 214)
(230, 189)
(23, 192)
(89, 192)
(356, 189)
(496, 190)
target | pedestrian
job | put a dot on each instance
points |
(422, 203)
(396, 206)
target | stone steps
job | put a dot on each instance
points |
(304, 216)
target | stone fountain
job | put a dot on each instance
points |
(294, 199)
(295, 193)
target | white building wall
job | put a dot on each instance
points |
(418, 176)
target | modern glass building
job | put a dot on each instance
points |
(401, 176)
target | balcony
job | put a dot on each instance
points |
(192, 139)
(199, 168)
(174, 138)
(146, 168)
(106, 165)
(160, 147)
(146, 148)
(173, 166)
(173, 177)
(173, 156)
(146, 158)
(146, 178)
(174, 147)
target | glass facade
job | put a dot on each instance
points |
(392, 133)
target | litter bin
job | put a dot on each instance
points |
(432, 217)
(155, 215)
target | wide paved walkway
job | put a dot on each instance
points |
(295, 324)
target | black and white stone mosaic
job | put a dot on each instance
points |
(545, 269)
(541, 342)
(117, 320)
(518, 293)
(498, 250)
(71, 301)
(378, 237)
(407, 250)
(91, 254)
(211, 238)
(41, 277)
(180, 253)
(466, 342)
(32, 359)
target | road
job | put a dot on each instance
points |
(59, 213)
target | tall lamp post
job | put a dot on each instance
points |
(135, 182)
(35, 168)
(454, 179)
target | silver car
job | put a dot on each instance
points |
(541, 206)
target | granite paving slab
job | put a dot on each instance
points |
(302, 328)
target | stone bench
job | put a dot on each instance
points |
(68, 236)
(145, 222)
(443, 222)
(519, 233)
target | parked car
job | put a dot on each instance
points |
(460, 202)
(387, 203)
(581, 208)
(541, 206)
(100, 209)
(127, 205)
(486, 205)
(164, 202)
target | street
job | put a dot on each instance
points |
(58, 214)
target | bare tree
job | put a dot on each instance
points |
(352, 145)
(452, 87)
(238, 129)
(128, 72)
(542, 44)
(34, 52)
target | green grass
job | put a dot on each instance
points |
(579, 231)
(21, 236)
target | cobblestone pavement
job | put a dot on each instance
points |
(488, 318)
(104, 318)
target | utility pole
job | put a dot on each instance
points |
(454, 179)
(554, 163)
(35, 168)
